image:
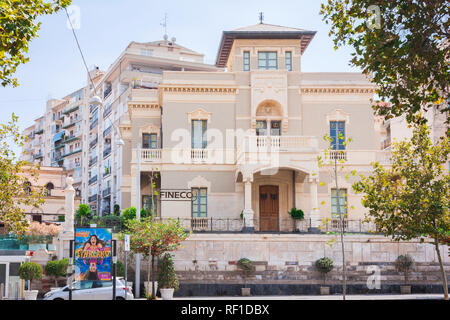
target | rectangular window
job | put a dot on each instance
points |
(198, 134)
(150, 141)
(337, 135)
(275, 128)
(342, 202)
(267, 60)
(199, 202)
(288, 60)
(261, 128)
(246, 60)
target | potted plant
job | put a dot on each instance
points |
(297, 215)
(167, 278)
(56, 268)
(30, 271)
(404, 263)
(324, 265)
(245, 265)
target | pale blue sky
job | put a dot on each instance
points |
(108, 26)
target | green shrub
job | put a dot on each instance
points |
(324, 265)
(56, 269)
(297, 214)
(167, 277)
(128, 214)
(117, 210)
(30, 271)
(245, 264)
(120, 269)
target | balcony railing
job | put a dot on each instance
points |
(93, 179)
(150, 155)
(106, 192)
(93, 124)
(38, 156)
(92, 198)
(69, 153)
(92, 161)
(107, 92)
(107, 131)
(107, 111)
(106, 152)
(93, 142)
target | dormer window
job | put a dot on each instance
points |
(267, 60)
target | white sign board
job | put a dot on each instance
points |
(127, 242)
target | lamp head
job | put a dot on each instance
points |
(96, 101)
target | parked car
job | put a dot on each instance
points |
(92, 290)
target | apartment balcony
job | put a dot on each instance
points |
(38, 156)
(69, 124)
(72, 108)
(106, 152)
(93, 180)
(107, 111)
(107, 92)
(69, 153)
(107, 131)
(107, 172)
(92, 198)
(92, 108)
(106, 192)
(39, 131)
(92, 161)
(93, 124)
(72, 166)
(72, 138)
(93, 143)
(151, 155)
(386, 143)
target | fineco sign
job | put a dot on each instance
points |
(177, 195)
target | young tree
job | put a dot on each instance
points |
(16, 192)
(402, 45)
(153, 238)
(18, 26)
(410, 199)
(333, 160)
(84, 211)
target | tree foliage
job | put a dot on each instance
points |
(16, 192)
(30, 271)
(166, 236)
(18, 26)
(402, 45)
(56, 268)
(410, 199)
(83, 212)
(167, 278)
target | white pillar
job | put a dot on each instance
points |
(248, 211)
(314, 212)
(69, 194)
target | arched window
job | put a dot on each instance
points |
(48, 189)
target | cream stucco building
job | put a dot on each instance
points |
(245, 138)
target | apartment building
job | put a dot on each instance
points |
(82, 137)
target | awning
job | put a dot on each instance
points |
(58, 136)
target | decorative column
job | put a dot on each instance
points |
(314, 213)
(69, 194)
(67, 233)
(248, 212)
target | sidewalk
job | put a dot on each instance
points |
(330, 297)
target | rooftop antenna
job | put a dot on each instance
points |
(261, 17)
(164, 25)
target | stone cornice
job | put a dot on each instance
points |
(198, 89)
(330, 90)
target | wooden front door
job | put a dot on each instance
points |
(268, 208)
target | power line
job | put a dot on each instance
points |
(81, 52)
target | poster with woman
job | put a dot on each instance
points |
(93, 254)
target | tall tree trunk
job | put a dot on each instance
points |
(441, 265)
(341, 219)
(153, 278)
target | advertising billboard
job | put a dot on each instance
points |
(93, 254)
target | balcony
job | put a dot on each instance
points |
(71, 109)
(106, 192)
(92, 108)
(72, 137)
(107, 131)
(93, 124)
(71, 153)
(93, 180)
(73, 165)
(357, 157)
(106, 152)
(39, 131)
(151, 155)
(38, 156)
(107, 92)
(71, 123)
(92, 161)
(93, 143)
(92, 198)
(107, 111)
